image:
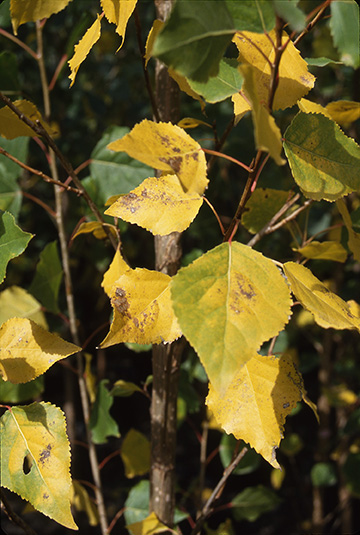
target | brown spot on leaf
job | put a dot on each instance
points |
(174, 163)
(45, 496)
(45, 454)
(243, 288)
(120, 302)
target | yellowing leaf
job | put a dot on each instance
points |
(354, 237)
(159, 204)
(166, 147)
(94, 227)
(326, 250)
(295, 81)
(117, 268)
(17, 302)
(312, 107)
(267, 133)
(153, 33)
(37, 432)
(27, 350)
(185, 86)
(149, 526)
(118, 12)
(228, 302)
(344, 111)
(241, 106)
(135, 453)
(354, 307)
(190, 122)
(328, 309)
(81, 50)
(33, 10)
(263, 204)
(256, 402)
(143, 312)
(11, 126)
(82, 502)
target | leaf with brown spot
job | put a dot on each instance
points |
(159, 204)
(143, 312)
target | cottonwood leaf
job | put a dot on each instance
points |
(10, 193)
(326, 250)
(135, 454)
(323, 160)
(33, 10)
(101, 423)
(241, 105)
(117, 268)
(148, 526)
(291, 13)
(345, 30)
(17, 302)
(152, 35)
(11, 126)
(267, 133)
(307, 106)
(184, 85)
(118, 12)
(10, 393)
(263, 204)
(228, 302)
(253, 502)
(81, 50)
(95, 228)
(13, 241)
(36, 434)
(328, 309)
(344, 111)
(256, 402)
(322, 62)
(227, 82)
(191, 122)
(82, 502)
(194, 38)
(27, 350)
(159, 205)
(169, 148)
(354, 237)
(252, 15)
(46, 282)
(143, 312)
(124, 389)
(295, 81)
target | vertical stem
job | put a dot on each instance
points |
(166, 358)
(69, 294)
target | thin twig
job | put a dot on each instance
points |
(226, 157)
(314, 21)
(216, 215)
(18, 42)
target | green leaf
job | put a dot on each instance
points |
(10, 393)
(323, 475)
(344, 27)
(252, 15)
(46, 282)
(13, 241)
(291, 445)
(263, 204)
(124, 389)
(113, 173)
(194, 38)
(227, 303)
(324, 162)
(10, 193)
(101, 423)
(37, 434)
(135, 453)
(18, 147)
(227, 82)
(289, 12)
(322, 62)
(253, 502)
(5, 19)
(248, 464)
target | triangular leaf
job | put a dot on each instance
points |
(46, 283)
(13, 241)
(228, 302)
(135, 453)
(328, 309)
(324, 162)
(33, 10)
(102, 424)
(27, 350)
(81, 50)
(143, 312)
(256, 402)
(159, 204)
(227, 82)
(118, 13)
(169, 148)
(17, 302)
(37, 432)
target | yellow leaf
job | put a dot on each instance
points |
(241, 106)
(117, 268)
(82, 502)
(228, 302)
(153, 33)
(185, 87)
(37, 433)
(17, 302)
(267, 133)
(354, 307)
(344, 111)
(118, 12)
(11, 126)
(295, 81)
(149, 526)
(159, 205)
(340, 396)
(166, 147)
(354, 237)
(27, 350)
(326, 250)
(33, 10)
(90, 378)
(256, 402)
(328, 309)
(81, 50)
(190, 122)
(312, 107)
(143, 312)
(135, 453)
(94, 227)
